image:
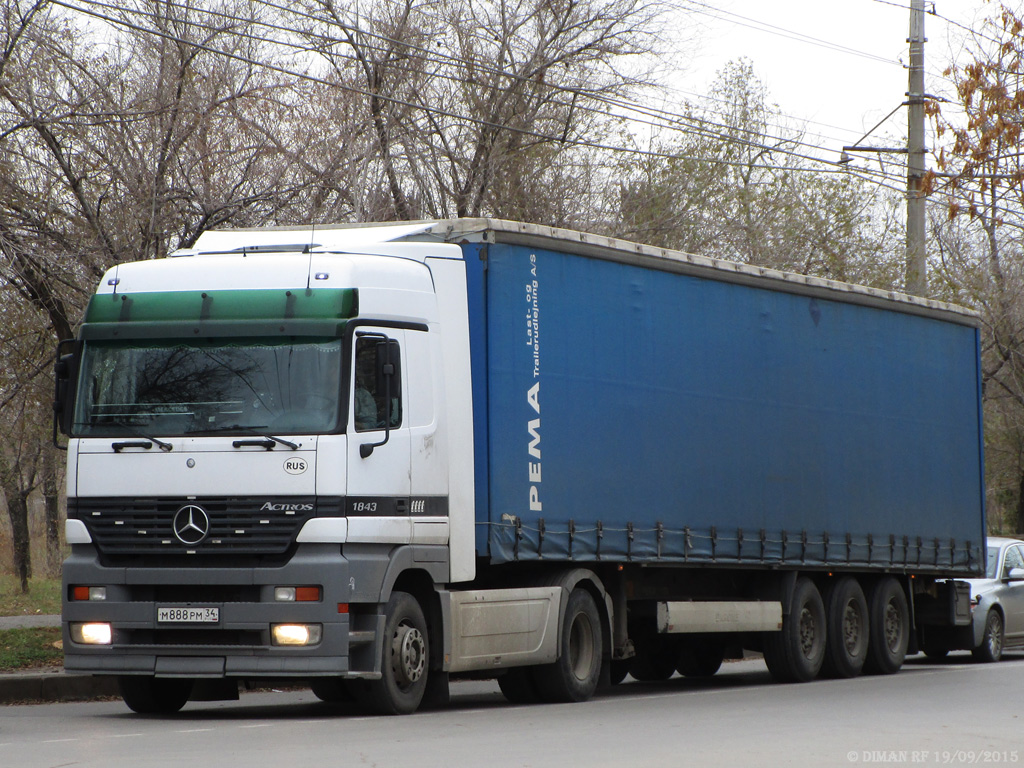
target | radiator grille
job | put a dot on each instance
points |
(232, 526)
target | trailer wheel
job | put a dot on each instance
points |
(846, 610)
(991, 648)
(889, 617)
(154, 695)
(796, 652)
(405, 654)
(576, 673)
(518, 686)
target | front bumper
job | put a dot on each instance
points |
(239, 645)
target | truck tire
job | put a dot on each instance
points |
(934, 650)
(700, 659)
(656, 655)
(846, 611)
(405, 657)
(333, 690)
(991, 648)
(154, 695)
(619, 668)
(518, 686)
(576, 673)
(889, 630)
(652, 665)
(796, 652)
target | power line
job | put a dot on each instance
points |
(762, 26)
(880, 179)
(657, 118)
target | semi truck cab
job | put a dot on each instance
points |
(261, 445)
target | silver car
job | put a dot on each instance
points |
(997, 601)
(997, 608)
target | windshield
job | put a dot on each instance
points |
(992, 564)
(177, 387)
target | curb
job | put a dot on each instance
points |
(54, 686)
(51, 684)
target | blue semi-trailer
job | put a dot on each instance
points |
(374, 457)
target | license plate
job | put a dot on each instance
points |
(184, 614)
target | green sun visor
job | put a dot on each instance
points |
(185, 313)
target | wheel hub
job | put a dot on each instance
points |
(408, 655)
(995, 643)
(808, 632)
(892, 627)
(851, 627)
(581, 647)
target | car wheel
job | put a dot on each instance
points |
(991, 648)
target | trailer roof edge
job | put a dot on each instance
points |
(629, 252)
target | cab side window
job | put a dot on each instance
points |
(377, 377)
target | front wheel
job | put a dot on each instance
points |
(991, 648)
(576, 673)
(405, 658)
(154, 695)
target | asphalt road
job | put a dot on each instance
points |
(953, 713)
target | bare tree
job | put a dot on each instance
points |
(464, 97)
(981, 242)
(733, 185)
(121, 144)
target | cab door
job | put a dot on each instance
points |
(378, 459)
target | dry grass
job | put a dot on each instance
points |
(43, 597)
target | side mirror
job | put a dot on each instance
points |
(65, 375)
(1015, 574)
(388, 381)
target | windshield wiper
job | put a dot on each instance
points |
(267, 442)
(147, 442)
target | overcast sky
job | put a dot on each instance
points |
(835, 67)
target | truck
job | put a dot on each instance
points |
(373, 458)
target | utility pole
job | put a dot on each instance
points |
(916, 275)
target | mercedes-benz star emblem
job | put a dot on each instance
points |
(191, 524)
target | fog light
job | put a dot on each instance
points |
(296, 634)
(88, 593)
(93, 633)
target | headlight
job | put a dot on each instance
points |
(296, 634)
(91, 633)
